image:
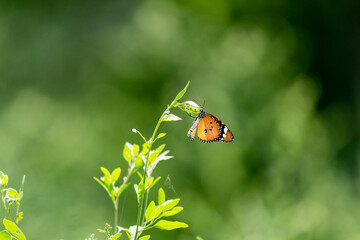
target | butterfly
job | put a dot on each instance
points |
(210, 129)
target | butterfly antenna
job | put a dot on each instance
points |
(197, 103)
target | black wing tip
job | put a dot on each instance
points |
(221, 139)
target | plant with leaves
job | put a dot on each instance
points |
(143, 162)
(11, 200)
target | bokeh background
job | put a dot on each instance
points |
(77, 76)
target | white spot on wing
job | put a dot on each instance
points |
(225, 131)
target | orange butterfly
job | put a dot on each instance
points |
(210, 129)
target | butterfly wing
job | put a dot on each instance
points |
(226, 134)
(209, 128)
(192, 130)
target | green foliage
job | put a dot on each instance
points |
(189, 107)
(149, 215)
(150, 211)
(107, 233)
(3, 179)
(170, 204)
(181, 93)
(169, 225)
(13, 229)
(161, 196)
(5, 235)
(172, 211)
(168, 117)
(11, 200)
(160, 136)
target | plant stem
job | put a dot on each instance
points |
(3, 200)
(7, 209)
(143, 204)
(17, 212)
(116, 214)
(144, 199)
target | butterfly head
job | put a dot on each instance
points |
(201, 113)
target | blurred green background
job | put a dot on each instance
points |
(77, 76)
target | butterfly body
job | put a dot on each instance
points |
(210, 129)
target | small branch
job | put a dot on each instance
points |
(3, 200)
(116, 214)
(144, 199)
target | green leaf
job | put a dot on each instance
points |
(4, 179)
(116, 236)
(129, 236)
(170, 204)
(141, 177)
(189, 107)
(148, 181)
(152, 157)
(199, 238)
(147, 237)
(182, 92)
(160, 136)
(105, 172)
(135, 149)
(115, 175)
(103, 185)
(159, 210)
(154, 182)
(162, 156)
(161, 196)
(172, 212)
(192, 104)
(107, 176)
(170, 117)
(14, 229)
(139, 162)
(156, 153)
(140, 190)
(4, 235)
(19, 216)
(169, 225)
(13, 194)
(160, 148)
(144, 149)
(150, 211)
(127, 152)
(122, 188)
